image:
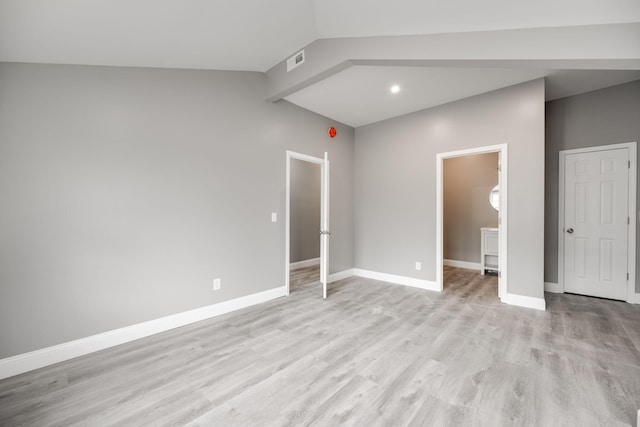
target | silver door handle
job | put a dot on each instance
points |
(570, 230)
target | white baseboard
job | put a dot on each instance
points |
(400, 280)
(58, 353)
(553, 288)
(462, 264)
(303, 264)
(341, 275)
(524, 301)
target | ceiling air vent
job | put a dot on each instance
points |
(295, 60)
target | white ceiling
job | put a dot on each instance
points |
(358, 18)
(251, 35)
(254, 35)
(361, 94)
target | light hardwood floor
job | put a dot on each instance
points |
(372, 354)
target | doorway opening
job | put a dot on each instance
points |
(481, 238)
(305, 212)
(307, 222)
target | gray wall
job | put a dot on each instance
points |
(606, 116)
(125, 191)
(467, 183)
(396, 182)
(305, 210)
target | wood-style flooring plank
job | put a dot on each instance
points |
(372, 354)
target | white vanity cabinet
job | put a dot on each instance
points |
(489, 249)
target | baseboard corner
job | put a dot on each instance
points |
(462, 264)
(341, 275)
(304, 263)
(525, 301)
(553, 288)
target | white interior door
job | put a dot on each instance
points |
(324, 232)
(596, 215)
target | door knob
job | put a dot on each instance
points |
(570, 230)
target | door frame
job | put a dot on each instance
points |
(323, 199)
(631, 230)
(502, 149)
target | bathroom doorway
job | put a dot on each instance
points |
(472, 229)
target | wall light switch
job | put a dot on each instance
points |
(216, 284)
(418, 265)
(274, 217)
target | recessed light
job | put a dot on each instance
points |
(395, 89)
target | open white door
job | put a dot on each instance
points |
(324, 232)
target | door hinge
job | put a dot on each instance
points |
(627, 276)
(629, 164)
(628, 221)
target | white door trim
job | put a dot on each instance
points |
(631, 230)
(502, 227)
(324, 219)
(287, 227)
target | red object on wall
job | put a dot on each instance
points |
(332, 132)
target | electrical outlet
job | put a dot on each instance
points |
(418, 265)
(216, 284)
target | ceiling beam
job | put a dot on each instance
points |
(610, 46)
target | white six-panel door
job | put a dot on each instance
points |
(596, 212)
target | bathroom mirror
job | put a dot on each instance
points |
(494, 197)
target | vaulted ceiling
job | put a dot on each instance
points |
(256, 35)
